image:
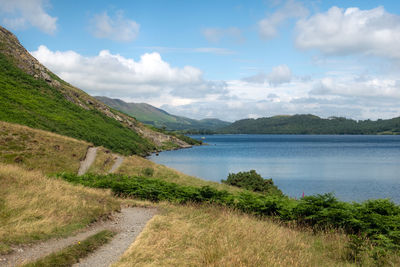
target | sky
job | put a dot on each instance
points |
(226, 59)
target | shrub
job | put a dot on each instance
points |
(148, 172)
(252, 181)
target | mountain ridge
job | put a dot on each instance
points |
(160, 118)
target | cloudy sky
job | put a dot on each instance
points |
(226, 59)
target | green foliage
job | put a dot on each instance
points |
(5, 249)
(71, 254)
(310, 124)
(252, 181)
(376, 220)
(148, 172)
(34, 103)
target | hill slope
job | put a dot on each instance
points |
(24, 192)
(159, 118)
(32, 95)
(310, 124)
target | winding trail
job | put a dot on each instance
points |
(117, 163)
(128, 224)
(88, 161)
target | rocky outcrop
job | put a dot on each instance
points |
(10, 46)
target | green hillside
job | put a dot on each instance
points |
(310, 124)
(159, 118)
(31, 95)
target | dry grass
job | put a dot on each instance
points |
(135, 165)
(34, 207)
(214, 236)
(40, 150)
(103, 162)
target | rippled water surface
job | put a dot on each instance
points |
(355, 168)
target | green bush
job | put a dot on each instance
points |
(252, 181)
(148, 172)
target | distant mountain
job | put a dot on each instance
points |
(159, 118)
(32, 95)
(310, 124)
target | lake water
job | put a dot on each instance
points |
(354, 168)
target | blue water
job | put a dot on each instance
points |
(354, 168)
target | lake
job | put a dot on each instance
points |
(353, 167)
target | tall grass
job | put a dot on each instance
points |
(215, 236)
(34, 207)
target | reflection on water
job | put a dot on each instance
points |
(355, 168)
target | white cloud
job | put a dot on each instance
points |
(373, 98)
(215, 35)
(19, 14)
(116, 28)
(113, 74)
(183, 91)
(349, 31)
(354, 87)
(280, 74)
(268, 27)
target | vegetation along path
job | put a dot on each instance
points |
(127, 224)
(88, 161)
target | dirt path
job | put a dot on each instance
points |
(117, 163)
(88, 161)
(131, 224)
(128, 224)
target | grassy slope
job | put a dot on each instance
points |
(32, 102)
(159, 118)
(48, 152)
(215, 236)
(34, 207)
(33, 149)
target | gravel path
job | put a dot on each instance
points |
(117, 163)
(88, 161)
(128, 224)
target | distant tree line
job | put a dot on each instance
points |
(311, 124)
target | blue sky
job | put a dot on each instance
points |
(223, 59)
